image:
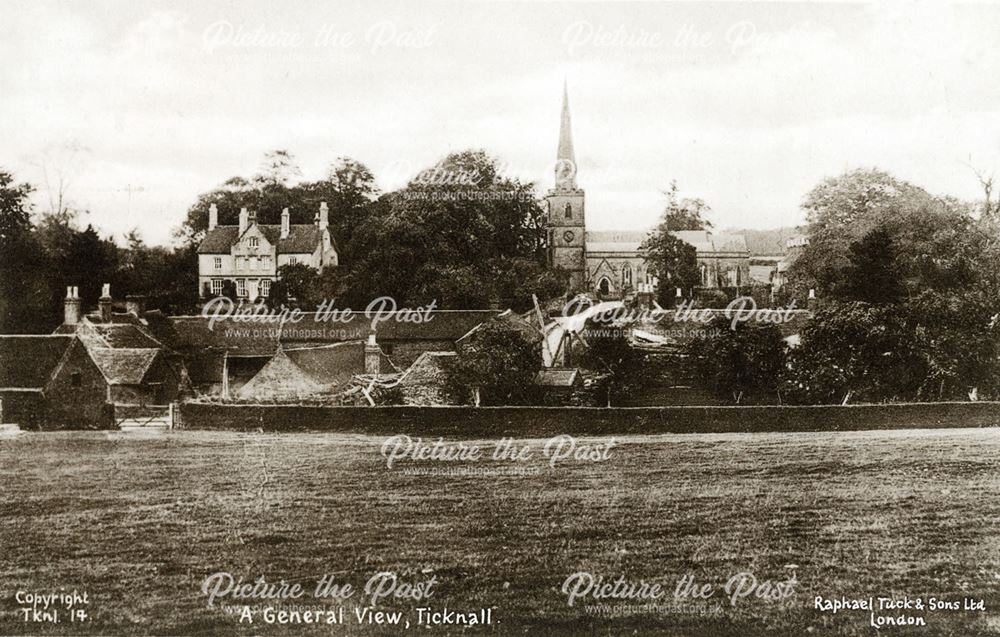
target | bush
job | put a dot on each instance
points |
(739, 363)
(497, 364)
(934, 347)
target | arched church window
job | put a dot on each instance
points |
(569, 211)
(604, 287)
(626, 275)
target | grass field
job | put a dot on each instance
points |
(138, 521)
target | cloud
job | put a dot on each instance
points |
(747, 106)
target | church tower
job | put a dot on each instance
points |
(566, 225)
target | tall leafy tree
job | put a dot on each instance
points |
(933, 237)
(459, 233)
(24, 288)
(497, 365)
(741, 362)
(872, 274)
(685, 213)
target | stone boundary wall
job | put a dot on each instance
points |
(548, 421)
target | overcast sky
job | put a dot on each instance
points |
(746, 105)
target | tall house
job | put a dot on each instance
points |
(250, 253)
(566, 220)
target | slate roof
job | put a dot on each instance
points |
(308, 370)
(301, 239)
(123, 366)
(425, 381)
(125, 335)
(125, 330)
(704, 242)
(190, 334)
(614, 241)
(330, 364)
(27, 362)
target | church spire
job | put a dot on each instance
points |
(565, 157)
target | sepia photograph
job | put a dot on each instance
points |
(556, 318)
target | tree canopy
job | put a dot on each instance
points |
(935, 240)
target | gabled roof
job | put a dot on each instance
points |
(123, 366)
(280, 377)
(124, 330)
(515, 320)
(190, 334)
(705, 241)
(301, 239)
(27, 362)
(306, 371)
(614, 240)
(330, 364)
(118, 335)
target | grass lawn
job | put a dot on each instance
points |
(138, 521)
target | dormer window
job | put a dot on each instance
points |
(253, 242)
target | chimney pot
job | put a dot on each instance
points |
(71, 307)
(372, 354)
(285, 224)
(324, 216)
(104, 303)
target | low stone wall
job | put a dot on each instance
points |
(548, 421)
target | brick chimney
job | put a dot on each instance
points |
(285, 224)
(324, 216)
(213, 216)
(71, 306)
(104, 303)
(244, 218)
(372, 354)
(135, 304)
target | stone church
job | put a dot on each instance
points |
(609, 262)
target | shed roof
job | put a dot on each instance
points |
(553, 377)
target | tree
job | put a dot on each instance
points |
(90, 263)
(348, 190)
(685, 214)
(24, 288)
(496, 365)
(59, 166)
(230, 291)
(15, 210)
(278, 168)
(872, 274)
(854, 352)
(298, 281)
(608, 350)
(672, 261)
(460, 233)
(934, 238)
(738, 362)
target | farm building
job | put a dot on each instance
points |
(51, 382)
